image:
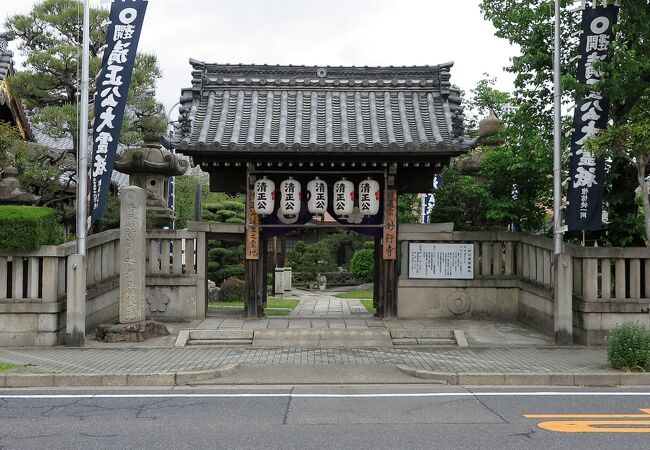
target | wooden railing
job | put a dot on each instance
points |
(40, 275)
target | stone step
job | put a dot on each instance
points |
(428, 337)
(423, 341)
(220, 342)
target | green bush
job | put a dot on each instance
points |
(28, 227)
(629, 347)
(363, 264)
(232, 290)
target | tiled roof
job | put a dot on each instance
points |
(248, 107)
(6, 56)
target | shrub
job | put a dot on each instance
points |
(232, 290)
(28, 227)
(363, 264)
(629, 347)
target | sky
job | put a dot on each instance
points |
(330, 32)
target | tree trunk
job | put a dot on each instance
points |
(641, 164)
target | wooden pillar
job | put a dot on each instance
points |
(253, 268)
(377, 300)
(389, 255)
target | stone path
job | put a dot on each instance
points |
(325, 305)
(148, 360)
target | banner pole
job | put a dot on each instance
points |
(557, 131)
(82, 170)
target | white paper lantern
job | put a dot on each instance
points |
(317, 203)
(290, 201)
(343, 197)
(369, 197)
(264, 198)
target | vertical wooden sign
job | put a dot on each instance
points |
(390, 226)
(252, 230)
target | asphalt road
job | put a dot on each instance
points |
(355, 417)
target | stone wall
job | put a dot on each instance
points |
(514, 278)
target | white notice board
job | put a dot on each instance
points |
(441, 261)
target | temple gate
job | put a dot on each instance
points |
(336, 128)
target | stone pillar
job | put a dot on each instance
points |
(286, 285)
(133, 236)
(75, 328)
(279, 281)
(563, 300)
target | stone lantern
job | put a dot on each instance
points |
(150, 168)
(488, 131)
(10, 191)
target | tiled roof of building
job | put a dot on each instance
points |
(252, 107)
(6, 56)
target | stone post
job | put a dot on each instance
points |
(563, 300)
(278, 288)
(75, 327)
(133, 236)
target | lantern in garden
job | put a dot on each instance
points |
(317, 189)
(343, 197)
(369, 197)
(264, 198)
(290, 200)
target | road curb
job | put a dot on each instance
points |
(546, 379)
(45, 380)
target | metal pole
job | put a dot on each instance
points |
(82, 170)
(557, 152)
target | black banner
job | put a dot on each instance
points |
(122, 38)
(587, 173)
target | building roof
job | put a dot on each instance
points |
(320, 109)
(6, 56)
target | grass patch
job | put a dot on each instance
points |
(274, 306)
(4, 367)
(358, 293)
(368, 305)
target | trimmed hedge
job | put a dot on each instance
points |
(28, 227)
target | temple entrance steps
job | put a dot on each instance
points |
(324, 337)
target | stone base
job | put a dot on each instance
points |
(130, 332)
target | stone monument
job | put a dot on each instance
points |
(133, 326)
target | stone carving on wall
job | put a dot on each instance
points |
(158, 302)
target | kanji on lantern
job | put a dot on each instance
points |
(343, 197)
(264, 198)
(369, 197)
(317, 190)
(291, 193)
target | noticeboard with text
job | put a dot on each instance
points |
(441, 261)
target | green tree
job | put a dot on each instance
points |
(408, 208)
(529, 25)
(225, 258)
(50, 38)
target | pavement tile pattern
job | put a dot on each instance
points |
(148, 360)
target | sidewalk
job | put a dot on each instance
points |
(565, 366)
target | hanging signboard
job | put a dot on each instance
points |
(122, 38)
(390, 226)
(587, 173)
(252, 230)
(441, 261)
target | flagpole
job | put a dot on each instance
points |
(557, 130)
(82, 172)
